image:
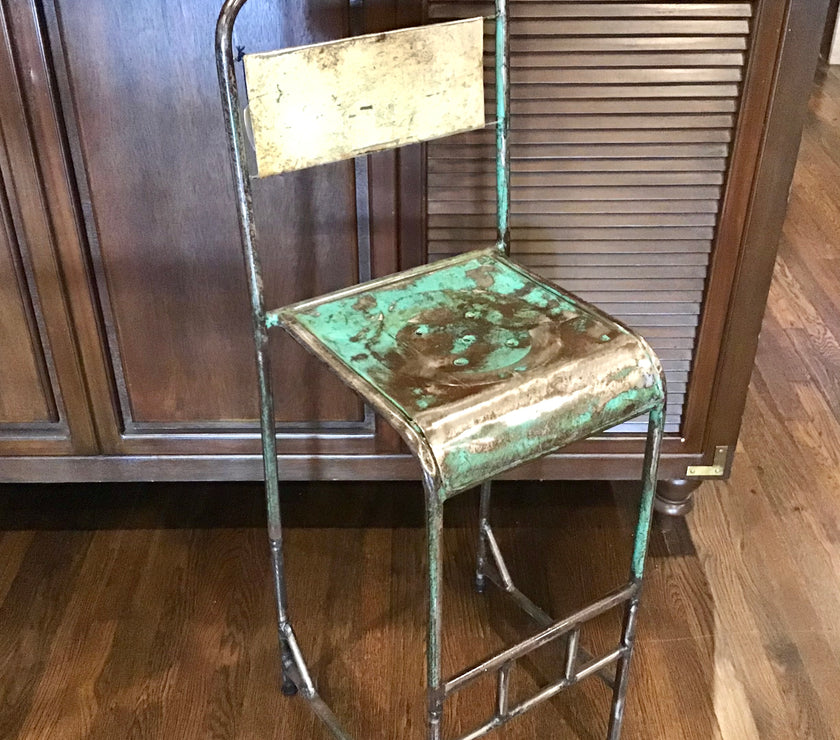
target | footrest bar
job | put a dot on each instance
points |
(596, 666)
(541, 638)
(564, 683)
(543, 620)
(544, 694)
(502, 580)
(585, 657)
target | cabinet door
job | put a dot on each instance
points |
(145, 130)
(43, 405)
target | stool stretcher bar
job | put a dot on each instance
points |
(503, 717)
(557, 629)
(502, 579)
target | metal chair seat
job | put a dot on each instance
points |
(479, 364)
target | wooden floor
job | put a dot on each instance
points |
(142, 611)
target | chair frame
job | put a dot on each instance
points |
(490, 563)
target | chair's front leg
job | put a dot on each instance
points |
(640, 545)
(434, 535)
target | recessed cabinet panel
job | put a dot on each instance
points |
(151, 160)
(25, 396)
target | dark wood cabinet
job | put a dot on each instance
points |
(44, 409)
(653, 145)
(150, 162)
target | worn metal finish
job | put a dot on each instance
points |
(483, 522)
(502, 74)
(479, 363)
(239, 165)
(331, 101)
(434, 542)
(295, 674)
(656, 426)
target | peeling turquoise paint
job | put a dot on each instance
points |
(502, 131)
(640, 544)
(476, 328)
(469, 463)
(457, 324)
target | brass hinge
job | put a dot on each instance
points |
(716, 470)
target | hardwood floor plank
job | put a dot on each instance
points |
(31, 614)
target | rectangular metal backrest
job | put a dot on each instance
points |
(322, 103)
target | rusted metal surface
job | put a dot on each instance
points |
(479, 364)
(487, 365)
(294, 672)
(340, 99)
(502, 74)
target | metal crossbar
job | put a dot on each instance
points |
(552, 632)
(502, 579)
(504, 715)
(574, 670)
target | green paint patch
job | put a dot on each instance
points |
(430, 339)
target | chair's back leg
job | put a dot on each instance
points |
(640, 545)
(502, 67)
(239, 164)
(483, 522)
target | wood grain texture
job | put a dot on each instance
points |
(35, 300)
(24, 394)
(158, 207)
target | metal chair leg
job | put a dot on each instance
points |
(640, 546)
(287, 684)
(295, 673)
(483, 521)
(434, 535)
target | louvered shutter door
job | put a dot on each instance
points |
(622, 116)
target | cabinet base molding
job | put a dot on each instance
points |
(133, 468)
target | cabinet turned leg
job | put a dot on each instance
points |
(675, 497)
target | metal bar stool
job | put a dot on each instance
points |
(479, 364)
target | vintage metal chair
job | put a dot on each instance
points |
(479, 364)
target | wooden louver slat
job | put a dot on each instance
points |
(623, 115)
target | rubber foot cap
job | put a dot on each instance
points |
(480, 584)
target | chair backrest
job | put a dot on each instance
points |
(325, 102)
(315, 104)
